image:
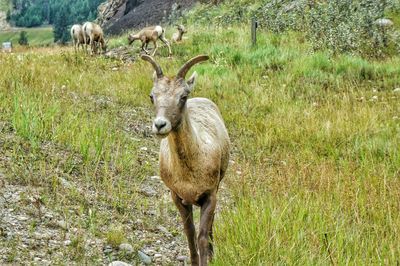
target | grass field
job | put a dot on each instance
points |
(316, 159)
(4, 5)
(41, 36)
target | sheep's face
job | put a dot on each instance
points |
(182, 29)
(131, 39)
(169, 98)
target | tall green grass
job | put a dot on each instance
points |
(315, 137)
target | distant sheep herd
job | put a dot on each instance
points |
(92, 34)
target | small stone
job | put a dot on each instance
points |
(127, 248)
(39, 236)
(62, 224)
(22, 218)
(148, 192)
(45, 262)
(383, 22)
(182, 258)
(163, 230)
(143, 148)
(67, 242)
(114, 69)
(374, 98)
(155, 178)
(48, 215)
(144, 258)
(157, 256)
(119, 263)
(65, 183)
(396, 90)
(107, 249)
(149, 251)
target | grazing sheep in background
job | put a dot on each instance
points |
(194, 151)
(150, 34)
(77, 36)
(93, 34)
(177, 36)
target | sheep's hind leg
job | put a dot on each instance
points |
(206, 222)
(186, 212)
(144, 46)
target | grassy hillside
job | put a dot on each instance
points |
(4, 5)
(36, 36)
(314, 177)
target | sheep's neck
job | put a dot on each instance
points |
(183, 143)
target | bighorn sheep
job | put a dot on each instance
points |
(194, 151)
(177, 36)
(150, 34)
(93, 34)
(77, 36)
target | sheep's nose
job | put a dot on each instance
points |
(159, 124)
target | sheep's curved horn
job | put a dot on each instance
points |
(186, 67)
(156, 66)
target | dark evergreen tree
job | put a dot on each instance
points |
(32, 13)
(23, 38)
(61, 24)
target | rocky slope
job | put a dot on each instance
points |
(3, 22)
(117, 16)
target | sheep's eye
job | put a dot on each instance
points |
(151, 98)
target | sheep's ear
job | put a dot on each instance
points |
(190, 82)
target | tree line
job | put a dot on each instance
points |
(59, 13)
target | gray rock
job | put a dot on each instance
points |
(144, 258)
(40, 236)
(383, 22)
(22, 218)
(182, 258)
(65, 183)
(148, 191)
(107, 249)
(157, 256)
(127, 248)
(119, 263)
(62, 225)
(164, 230)
(155, 178)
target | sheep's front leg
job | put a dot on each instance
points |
(186, 212)
(167, 44)
(155, 48)
(206, 222)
